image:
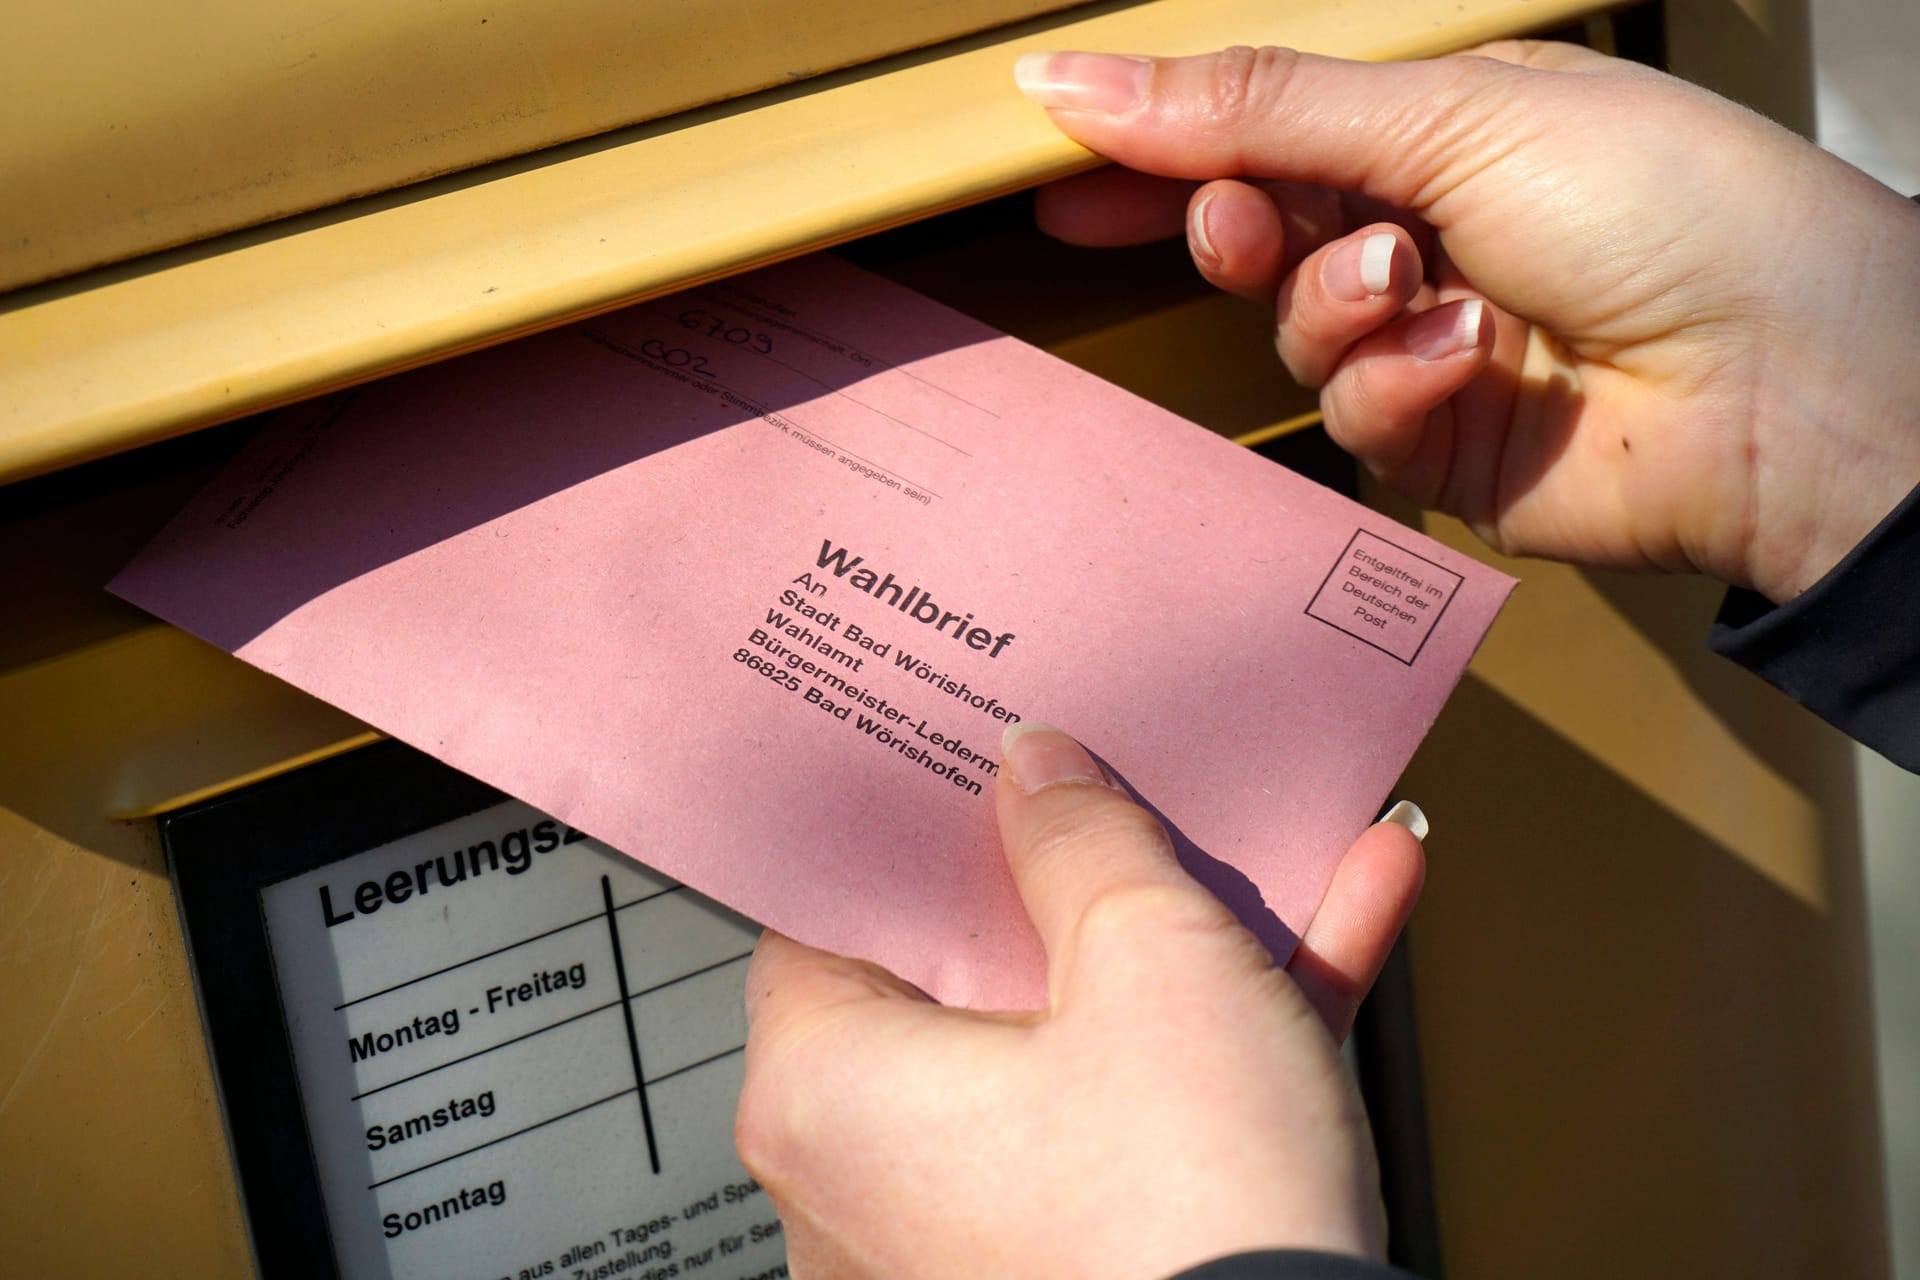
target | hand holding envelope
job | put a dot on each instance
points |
(1177, 1100)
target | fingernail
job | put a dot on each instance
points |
(1197, 236)
(1106, 82)
(1445, 331)
(1038, 756)
(1407, 814)
(1358, 271)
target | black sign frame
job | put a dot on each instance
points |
(222, 853)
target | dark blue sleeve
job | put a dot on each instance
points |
(1848, 647)
(1292, 1264)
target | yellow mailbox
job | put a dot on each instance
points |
(1638, 994)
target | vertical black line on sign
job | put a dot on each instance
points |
(626, 1010)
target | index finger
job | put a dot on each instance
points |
(1392, 131)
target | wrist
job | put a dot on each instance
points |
(1829, 500)
(1836, 440)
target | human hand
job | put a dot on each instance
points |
(1618, 320)
(1181, 1098)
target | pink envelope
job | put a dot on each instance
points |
(748, 581)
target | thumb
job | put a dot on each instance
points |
(1083, 854)
(1395, 131)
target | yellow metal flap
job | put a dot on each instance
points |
(228, 113)
(132, 354)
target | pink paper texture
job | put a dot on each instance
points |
(576, 566)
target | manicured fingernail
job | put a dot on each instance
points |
(1358, 271)
(1197, 237)
(1105, 82)
(1446, 331)
(1038, 756)
(1407, 814)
